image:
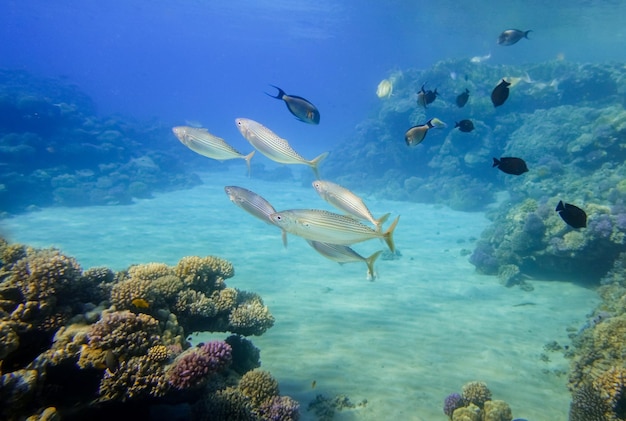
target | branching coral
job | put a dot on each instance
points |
(136, 378)
(250, 318)
(258, 386)
(125, 333)
(43, 274)
(193, 368)
(476, 393)
(205, 274)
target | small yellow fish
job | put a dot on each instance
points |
(385, 89)
(140, 303)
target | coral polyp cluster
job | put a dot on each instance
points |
(475, 404)
(74, 341)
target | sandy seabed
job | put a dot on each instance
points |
(425, 327)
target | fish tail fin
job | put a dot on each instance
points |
(280, 94)
(248, 158)
(284, 236)
(315, 162)
(496, 162)
(560, 206)
(526, 33)
(388, 235)
(369, 261)
(380, 221)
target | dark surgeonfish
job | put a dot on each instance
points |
(573, 216)
(426, 97)
(416, 134)
(511, 36)
(465, 126)
(500, 93)
(510, 165)
(299, 107)
(461, 100)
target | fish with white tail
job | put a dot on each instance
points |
(254, 204)
(273, 146)
(329, 227)
(344, 254)
(346, 201)
(204, 143)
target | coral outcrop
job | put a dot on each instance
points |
(74, 341)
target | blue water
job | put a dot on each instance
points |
(171, 62)
(211, 61)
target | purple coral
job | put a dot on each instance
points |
(601, 226)
(219, 354)
(452, 402)
(194, 367)
(280, 408)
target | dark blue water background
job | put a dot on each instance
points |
(211, 61)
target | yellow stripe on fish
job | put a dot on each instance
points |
(344, 200)
(204, 143)
(329, 227)
(273, 146)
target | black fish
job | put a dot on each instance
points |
(461, 100)
(500, 93)
(509, 165)
(465, 125)
(511, 36)
(416, 134)
(426, 97)
(299, 107)
(573, 216)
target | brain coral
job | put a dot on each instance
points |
(135, 378)
(258, 385)
(476, 393)
(125, 333)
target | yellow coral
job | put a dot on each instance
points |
(206, 273)
(159, 353)
(224, 299)
(466, 413)
(497, 411)
(609, 337)
(476, 393)
(258, 385)
(250, 318)
(574, 240)
(149, 271)
(612, 384)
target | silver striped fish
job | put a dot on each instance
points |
(204, 143)
(254, 204)
(344, 200)
(329, 227)
(273, 146)
(344, 254)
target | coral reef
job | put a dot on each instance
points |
(475, 404)
(73, 342)
(55, 150)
